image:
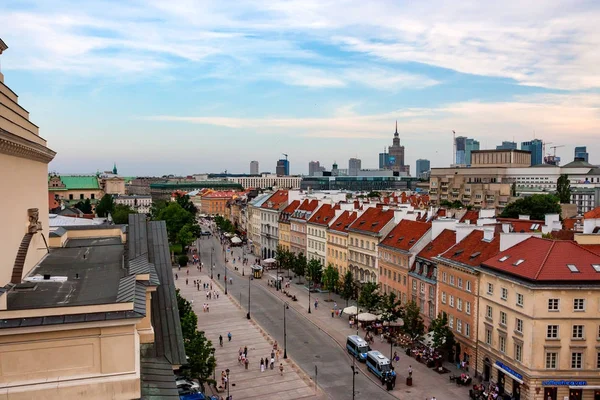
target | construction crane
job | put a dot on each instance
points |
(286, 156)
(555, 147)
(553, 159)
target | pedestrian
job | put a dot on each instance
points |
(272, 362)
(221, 340)
(229, 336)
(219, 277)
(316, 303)
(381, 337)
(246, 362)
(217, 295)
(281, 369)
(262, 365)
(187, 271)
(207, 308)
(332, 312)
(277, 355)
(246, 351)
(410, 370)
(272, 353)
(341, 312)
(176, 276)
(186, 281)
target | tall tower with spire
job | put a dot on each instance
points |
(396, 155)
(115, 168)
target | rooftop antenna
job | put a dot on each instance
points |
(454, 147)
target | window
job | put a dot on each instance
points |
(443, 297)
(92, 196)
(431, 310)
(489, 312)
(504, 293)
(553, 304)
(552, 332)
(444, 277)
(518, 352)
(519, 325)
(468, 286)
(577, 331)
(502, 318)
(459, 282)
(452, 280)
(70, 197)
(467, 329)
(459, 304)
(458, 326)
(576, 360)
(579, 305)
(490, 288)
(519, 299)
(451, 322)
(414, 284)
(488, 337)
(551, 358)
(468, 307)
(502, 341)
(451, 301)
(81, 196)
(423, 287)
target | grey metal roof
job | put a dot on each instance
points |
(141, 265)
(58, 232)
(67, 319)
(137, 238)
(158, 380)
(126, 292)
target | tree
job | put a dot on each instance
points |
(185, 203)
(290, 261)
(374, 194)
(201, 357)
(300, 266)
(84, 206)
(186, 236)
(157, 207)
(183, 260)
(348, 287)
(120, 214)
(391, 308)
(369, 297)
(536, 206)
(563, 189)
(183, 305)
(413, 322)
(105, 206)
(443, 338)
(314, 271)
(513, 189)
(331, 277)
(175, 218)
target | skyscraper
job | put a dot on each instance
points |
(354, 166)
(313, 166)
(384, 160)
(253, 167)
(534, 146)
(283, 167)
(422, 166)
(581, 153)
(464, 146)
(396, 155)
(507, 146)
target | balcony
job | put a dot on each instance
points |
(433, 191)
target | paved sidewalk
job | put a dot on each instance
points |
(426, 382)
(226, 316)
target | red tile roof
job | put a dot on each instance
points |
(220, 194)
(440, 244)
(569, 223)
(307, 206)
(472, 216)
(473, 250)
(324, 215)
(52, 203)
(522, 225)
(594, 248)
(343, 222)
(285, 214)
(406, 234)
(540, 259)
(592, 214)
(277, 200)
(372, 220)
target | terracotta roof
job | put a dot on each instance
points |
(372, 220)
(472, 216)
(305, 210)
(540, 259)
(406, 234)
(343, 222)
(592, 214)
(594, 248)
(285, 214)
(52, 203)
(569, 223)
(522, 225)
(473, 250)
(324, 215)
(277, 200)
(220, 195)
(440, 244)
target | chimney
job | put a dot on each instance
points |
(462, 231)
(508, 240)
(506, 228)
(549, 219)
(438, 226)
(488, 233)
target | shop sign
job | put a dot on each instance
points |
(564, 383)
(509, 370)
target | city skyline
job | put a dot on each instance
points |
(185, 85)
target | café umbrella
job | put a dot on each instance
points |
(367, 317)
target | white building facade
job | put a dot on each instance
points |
(139, 203)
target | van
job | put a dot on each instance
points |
(357, 347)
(377, 363)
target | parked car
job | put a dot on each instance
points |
(187, 382)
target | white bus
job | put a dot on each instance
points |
(378, 363)
(357, 347)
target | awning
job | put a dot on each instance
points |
(592, 387)
(514, 378)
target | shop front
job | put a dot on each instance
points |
(508, 380)
(573, 390)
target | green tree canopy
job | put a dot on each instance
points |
(374, 194)
(314, 270)
(563, 189)
(175, 218)
(185, 203)
(105, 206)
(186, 236)
(84, 206)
(443, 338)
(120, 214)
(348, 287)
(369, 297)
(183, 260)
(331, 277)
(157, 207)
(391, 308)
(413, 322)
(536, 206)
(300, 265)
(224, 225)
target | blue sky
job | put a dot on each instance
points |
(190, 86)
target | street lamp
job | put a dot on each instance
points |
(354, 373)
(228, 383)
(309, 296)
(226, 277)
(212, 266)
(249, 280)
(285, 307)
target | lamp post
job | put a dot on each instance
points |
(309, 296)
(354, 373)
(249, 280)
(285, 307)
(228, 383)
(212, 266)
(225, 278)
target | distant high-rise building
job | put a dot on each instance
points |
(253, 167)
(396, 155)
(283, 168)
(464, 146)
(581, 153)
(354, 166)
(534, 146)
(313, 166)
(384, 160)
(334, 169)
(507, 146)
(422, 166)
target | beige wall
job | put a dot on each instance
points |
(284, 235)
(114, 186)
(29, 189)
(337, 252)
(87, 194)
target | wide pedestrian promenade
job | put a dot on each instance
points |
(226, 316)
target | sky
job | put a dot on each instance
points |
(189, 86)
